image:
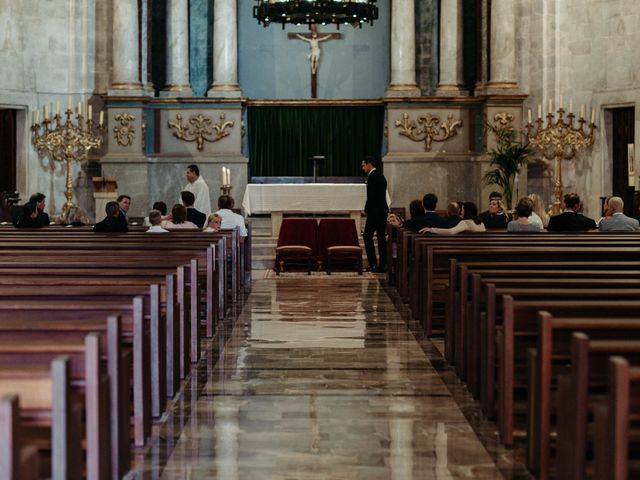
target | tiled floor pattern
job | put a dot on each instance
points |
(322, 378)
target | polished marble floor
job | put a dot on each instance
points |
(322, 378)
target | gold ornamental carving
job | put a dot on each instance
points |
(201, 129)
(504, 120)
(428, 128)
(124, 133)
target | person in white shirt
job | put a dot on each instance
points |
(230, 220)
(199, 188)
(155, 219)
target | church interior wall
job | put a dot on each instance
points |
(273, 67)
(584, 51)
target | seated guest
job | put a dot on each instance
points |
(29, 218)
(469, 223)
(430, 218)
(415, 210)
(524, 223)
(453, 214)
(155, 218)
(538, 214)
(38, 200)
(618, 221)
(606, 211)
(111, 223)
(214, 223)
(161, 207)
(570, 220)
(179, 219)
(496, 216)
(193, 215)
(124, 202)
(230, 220)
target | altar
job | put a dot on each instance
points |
(277, 199)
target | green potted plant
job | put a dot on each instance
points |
(506, 159)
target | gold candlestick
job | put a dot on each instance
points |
(226, 189)
(560, 140)
(67, 142)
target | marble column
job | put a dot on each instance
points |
(125, 78)
(451, 49)
(225, 50)
(177, 50)
(403, 50)
(503, 46)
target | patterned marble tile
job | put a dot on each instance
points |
(321, 379)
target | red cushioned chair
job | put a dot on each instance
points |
(297, 244)
(338, 244)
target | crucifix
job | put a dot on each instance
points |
(314, 55)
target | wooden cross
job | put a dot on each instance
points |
(314, 38)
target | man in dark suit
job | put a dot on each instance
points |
(111, 224)
(124, 202)
(430, 218)
(38, 200)
(570, 220)
(29, 217)
(377, 210)
(193, 215)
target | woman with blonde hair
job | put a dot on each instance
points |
(538, 215)
(214, 223)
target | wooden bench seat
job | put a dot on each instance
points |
(18, 458)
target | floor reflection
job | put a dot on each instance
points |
(318, 379)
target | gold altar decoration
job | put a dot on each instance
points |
(124, 133)
(504, 120)
(560, 139)
(201, 129)
(67, 142)
(428, 128)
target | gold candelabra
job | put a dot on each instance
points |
(560, 139)
(67, 141)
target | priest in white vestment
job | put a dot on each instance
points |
(199, 188)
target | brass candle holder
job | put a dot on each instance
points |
(560, 139)
(67, 142)
(226, 189)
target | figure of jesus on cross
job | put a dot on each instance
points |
(314, 55)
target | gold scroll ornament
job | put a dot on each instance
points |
(124, 133)
(200, 129)
(428, 129)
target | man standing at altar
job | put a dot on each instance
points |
(199, 188)
(377, 210)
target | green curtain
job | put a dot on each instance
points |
(282, 138)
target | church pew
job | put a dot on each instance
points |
(88, 375)
(18, 458)
(554, 347)
(53, 325)
(519, 333)
(579, 392)
(47, 401)
(616, 449)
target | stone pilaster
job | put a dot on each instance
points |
(503, 47)
(451, 49)
(403, 50)
(177, 50)
(126, 49)
(225, 50)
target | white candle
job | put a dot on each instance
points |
(560, 103)
(571, 105)
(529, 115)
(46, 112)
(539, 110)
(101, 117)
(90, 109)
(550, 106)
(582, 111)
(58, 108)
(79, 109)
(37, 116)
(69, 102)
(593, 115)
(228, 176)
(223, 179)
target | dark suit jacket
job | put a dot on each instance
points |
(43, 219)
(122, 218)
(196, 216)
(110, 225)
(571, 222)
(28, 222)
(376, 205)
(429, 219)
(491, 220)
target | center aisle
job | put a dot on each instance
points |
(320, 379)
